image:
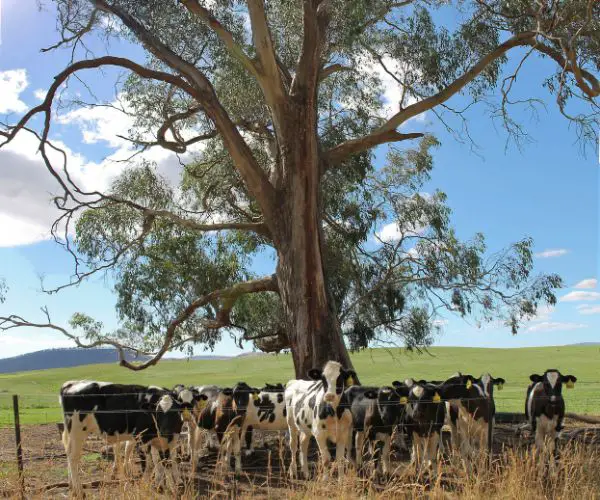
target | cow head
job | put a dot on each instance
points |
(168, 416)
(487, 383)
(552, 381)
(402, 389)
(424, 399)
(456, 387)
(190, 400)
(390, 402)
(335, 379)
(242, 394)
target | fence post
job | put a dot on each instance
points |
(490, 442)
(19, 445)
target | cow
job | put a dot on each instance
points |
(545, 407)
(262, 409)
(318, 408)
(119, 412)
(375, 414)
(425, 414)
(469, 417)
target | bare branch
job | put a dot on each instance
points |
(331, 69)
(226, 296)
(226, 37)
(354, 146)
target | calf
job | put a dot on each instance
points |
(263, 409)
(375, 414)
(318, 408)
(119, 413)
(469, 417)
(425, 414)
(545, 407)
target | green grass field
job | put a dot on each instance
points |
(38, 390)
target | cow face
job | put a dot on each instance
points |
(242, 394)
(552, 381)
(423, 399)
(168, 416)
(456, 387)
(389, 405)
(402, 389)
(487, 383)
(335, 379)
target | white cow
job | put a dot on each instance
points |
(318, 408)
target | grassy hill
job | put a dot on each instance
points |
(38, 390)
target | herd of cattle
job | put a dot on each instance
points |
(330, 407)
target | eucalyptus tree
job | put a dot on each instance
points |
(284, 104)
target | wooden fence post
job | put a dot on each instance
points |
(19, 445)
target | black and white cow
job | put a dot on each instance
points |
(375, 414)
(318, 408)
(545, 407)
(426, 413)
(469, 417)
(262, 409)
(120, 412)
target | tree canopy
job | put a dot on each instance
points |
(264, 97)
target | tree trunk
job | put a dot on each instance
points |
(313, 329)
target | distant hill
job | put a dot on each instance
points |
(61, 358)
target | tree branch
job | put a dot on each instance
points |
(331, 69)
(227, 296)
(378, 136)
(202, 90)
(225, 36)
(342, 151)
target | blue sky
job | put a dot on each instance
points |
(548, 191)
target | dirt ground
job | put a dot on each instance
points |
(45, 465)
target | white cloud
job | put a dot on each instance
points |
(551, 326)
(389, 232)
(580, 296)
(544, 312)
(588, 309)
(587, 283)
(392, 90)
(40, 94)
(557, 252)
(12, 83)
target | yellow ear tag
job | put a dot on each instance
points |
(500, 387)
(255, 396)
(201, 404)
(570, 384)
(469, 384)
(403, 400)
(350, 381)
(186, 413)
(436, 398)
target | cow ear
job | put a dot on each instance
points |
(437, 398)
(500, 383)
(350, 377)
(315, 374)
(227, 391)
(371, 394)
(534, 377)
(569, 380)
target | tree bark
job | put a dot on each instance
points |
(313, 329)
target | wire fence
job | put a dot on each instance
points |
(30, 428)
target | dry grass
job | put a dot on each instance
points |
(512, 475)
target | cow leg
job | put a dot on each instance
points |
(128, 458)
(237, 451)
(384, 459)
(247, 433)
(359, 441)
(174, 461)
(432, 446)
(293, 449)
(415, 457)
(73, 441)
(342, 446)
(304, 442)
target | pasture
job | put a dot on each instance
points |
(38, 390)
